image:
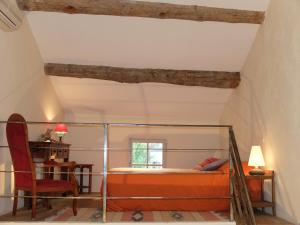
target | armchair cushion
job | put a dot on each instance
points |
(48, 183)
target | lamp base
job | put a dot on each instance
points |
(257, 171)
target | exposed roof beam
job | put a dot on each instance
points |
(216, 79)
(144, 9)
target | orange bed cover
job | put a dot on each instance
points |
(172, 183)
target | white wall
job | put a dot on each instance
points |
(175, 138)
(23, 89)
(265, 108)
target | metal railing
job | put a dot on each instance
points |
(240, 202)
(240, 205)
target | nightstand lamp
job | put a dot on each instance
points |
(61, 130)
(256, 159)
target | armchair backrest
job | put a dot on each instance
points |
(17, 138)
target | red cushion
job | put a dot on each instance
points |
(48, 183)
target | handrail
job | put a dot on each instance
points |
(124, 124)
(241, 202)
(240, 205)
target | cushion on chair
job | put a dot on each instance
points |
(48, 183)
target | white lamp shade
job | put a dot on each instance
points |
(256, 157)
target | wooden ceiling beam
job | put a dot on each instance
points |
(215, 79)
(144, 9)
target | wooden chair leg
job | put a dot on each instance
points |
(75, 194)
(15, 206)
(33, 210)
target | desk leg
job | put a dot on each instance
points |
(81, 180)
(90, 179)
(27, 201)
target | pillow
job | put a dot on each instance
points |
(204, 163)
(214, 165)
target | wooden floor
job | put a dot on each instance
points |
(57, 205)
(268, 220)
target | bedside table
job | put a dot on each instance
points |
(269, 175)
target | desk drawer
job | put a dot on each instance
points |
(62, 153)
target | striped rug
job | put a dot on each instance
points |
(95, 215)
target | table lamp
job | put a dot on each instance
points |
(61, 130)
(256, 159)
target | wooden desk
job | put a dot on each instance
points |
(44, 150)
(269, 175)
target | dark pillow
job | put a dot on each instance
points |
(214, 165)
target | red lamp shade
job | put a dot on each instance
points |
(61, 130)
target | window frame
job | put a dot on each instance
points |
(141, 140)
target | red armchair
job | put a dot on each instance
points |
(24, 168)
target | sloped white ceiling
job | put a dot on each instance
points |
(144, 43)
(110, 101)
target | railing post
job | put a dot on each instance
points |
(248, 213)
(104, 188)
(230, 181)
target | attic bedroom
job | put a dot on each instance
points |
(157, 111)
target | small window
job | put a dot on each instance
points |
(147, 154)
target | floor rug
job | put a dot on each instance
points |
(95, 215)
